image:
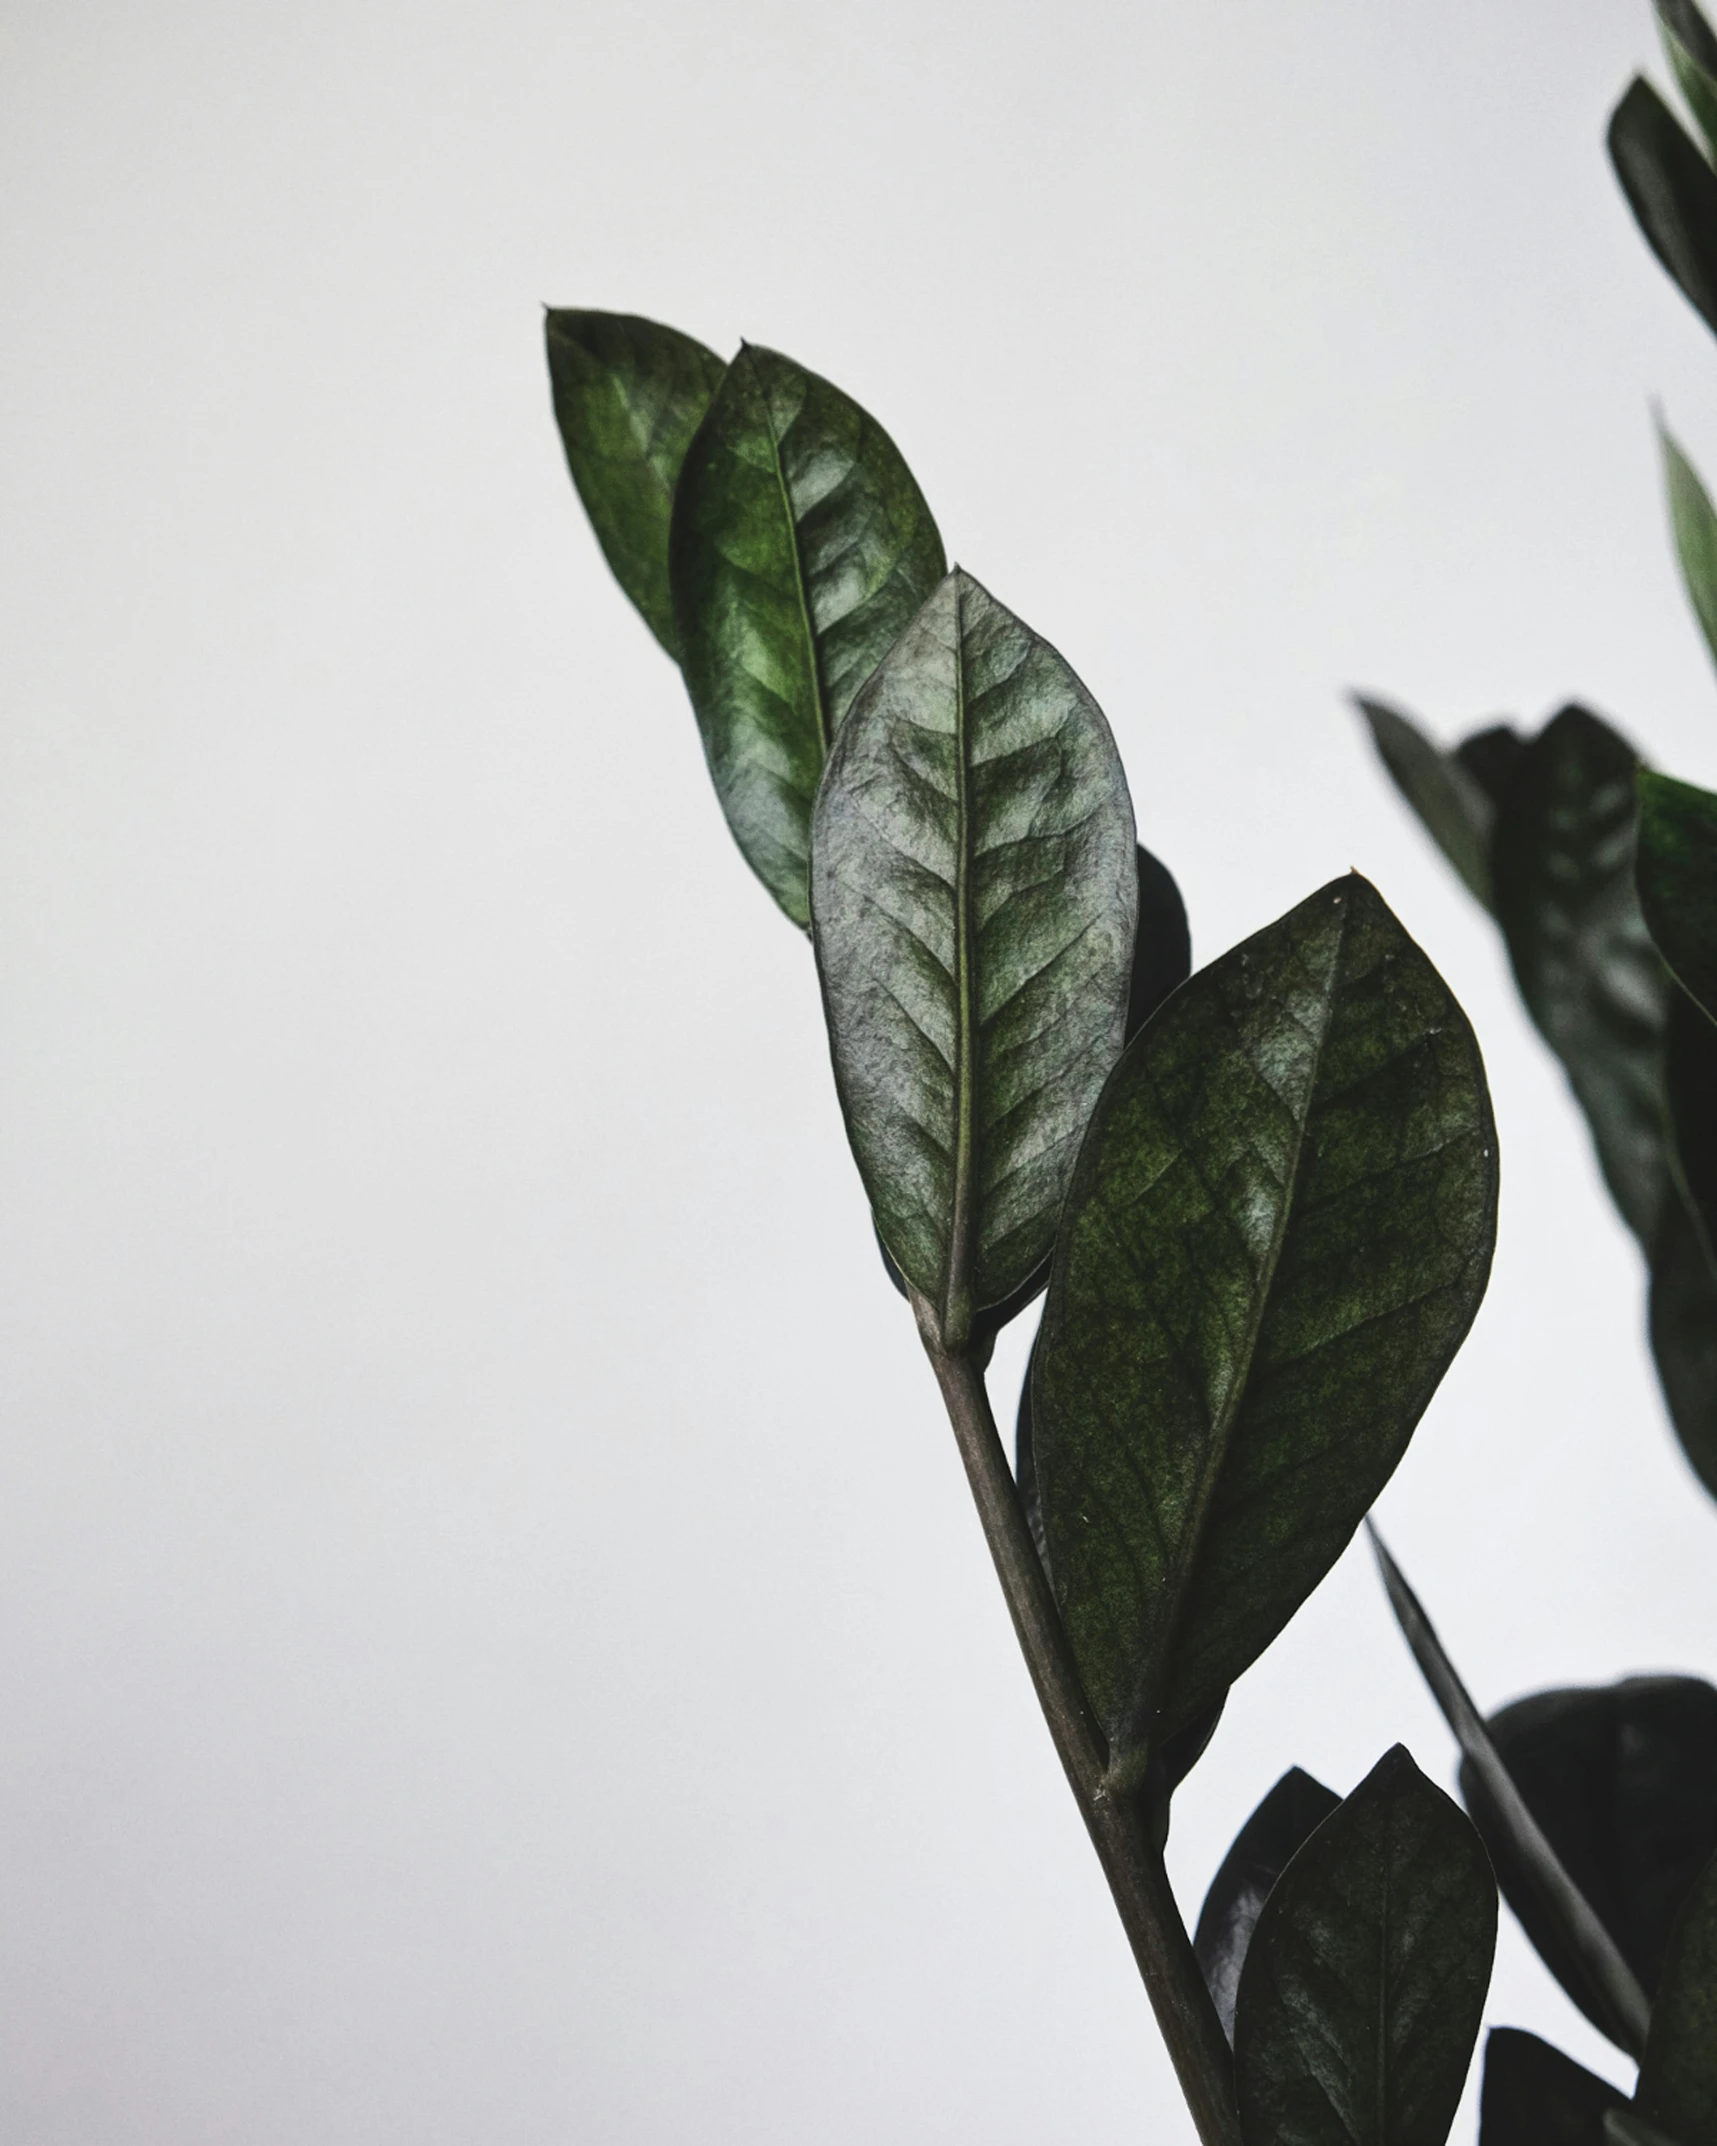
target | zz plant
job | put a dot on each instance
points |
(1259, 1202)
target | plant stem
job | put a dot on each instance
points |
(1131, 1860)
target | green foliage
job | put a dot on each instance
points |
(1535, 2096)
(1678, 2075)
(1694, 523)
(1262, 1850)
(1678, 880)
(1455, 807)
(1672, 191)
(1278, 1232)
(1692, 53)
(628, 395)
(975, 893)
(1363, 1985)
(801, 548)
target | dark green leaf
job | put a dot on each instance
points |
(1162, 950)
(1684, 1335)
(628, 395)
(1535, 2096)
(1610, 1992)
(1276, 1237)
(1563, 862)
(1690, 1068)
(1453, 804)
(801, 548)
(1692, 50)
(1623, 1780)
(1364, 1982)
(1491, 756)
(1678, 879)
(976, 898)
(1671, 189)
(1695, 526)
(1678, 2077)
(1262, 1850)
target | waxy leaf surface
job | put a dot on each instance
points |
(628, 395)
(1277, 1235)
(1695, 527)
(801, 548)
(1623, 1780)
(1563, 863)
(1677, 872)
(1262, 1850)
(1535, 2096)
(1692, 49)
(975, 896)
(1672, 191)
(1678, 2078)
(1366, 1976)
(1454, 806)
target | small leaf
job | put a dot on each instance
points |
(1610, 1993)
(1454, 805)
(628, 395)
(976, 899)
(1695, 526)
(1262, 1850)
(1563, 862)
(801, 548)
(1678, 2076)
(1366, 1976)
(1276, 1237)
(1535, 2096)
(1677, 870)
(1671, 189)
(1692, 50)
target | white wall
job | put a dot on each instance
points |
(492, 1644)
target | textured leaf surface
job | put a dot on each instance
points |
(1622, 2010)
(1364, 1982)
(801, 548)
(1623, 1780)
(1695, 526)
(1692, 50)
(976, 898)
(1453, 804)
(1563, 862)
(1678, 2079)
(1277, 1235)
(1677, 871)
(1672, 191)
(628, 395)
(1262, 1850)
(1535, 2096)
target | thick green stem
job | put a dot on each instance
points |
(1131, 1861)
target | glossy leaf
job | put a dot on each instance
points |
(1363, 1985)
(1695, 527)
(628, 395)
(1563, 867)
(801, 548)
(976, 897)
(1672, 191)
(1262, 1850)
(1678, 2078)
(1454, 805)
(1692, 50)
(1535, 2096)
(1677, 872)
(1608, 1989)
(1276, 1237)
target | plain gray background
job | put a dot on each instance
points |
(493, 1647)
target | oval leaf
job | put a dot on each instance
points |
(975, 898)
(1563, 864)
(801, 547)
(1453, 805)
(1535, 2096)
(1262, 1850)
(1695, 527)
(1672, 191)
(1677, 872)
(1678, 2077)
(1364, 1982)
(628, 395)
(1277, 1235)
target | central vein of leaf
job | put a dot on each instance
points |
(957, 1294)
(799, 589)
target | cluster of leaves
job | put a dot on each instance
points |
(1599, 1808)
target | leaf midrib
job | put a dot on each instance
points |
(799, 591)
(1154, 1685)
(957, 1290)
